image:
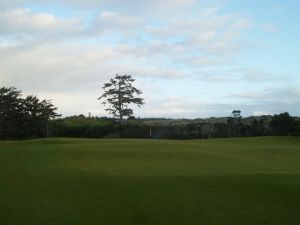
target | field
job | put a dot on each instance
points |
(248, 181)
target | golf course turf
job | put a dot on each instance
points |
(242, 181)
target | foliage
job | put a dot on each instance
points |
(12, 113)
(23, 117)
(29, 118)
(118, 94)
(236, 113)
(88, 128)
(283, 124)
(167, 129)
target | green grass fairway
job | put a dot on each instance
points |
(249, 181)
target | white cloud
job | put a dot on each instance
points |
(257, 75)
(270, 27)
(24, 21)
(114, 22)
(203, 37)
(67, 58)
(242, 23)
(249, 75)
(280, 96)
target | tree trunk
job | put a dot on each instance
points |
(121, 119)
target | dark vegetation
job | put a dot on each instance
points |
(227, 127)
(23, 118)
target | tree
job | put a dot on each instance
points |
(283, 124)
(235, 123)
(38, 113)
(12, 113)
(236, 113)
(23, 117)
(119, 94)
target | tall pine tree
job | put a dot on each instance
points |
(119, 94)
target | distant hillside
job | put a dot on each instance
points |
(166, 128)
(163, 121)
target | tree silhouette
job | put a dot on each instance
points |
(236, 113)
(283, 124)
(118, 94)
(23, 117)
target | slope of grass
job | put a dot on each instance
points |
(85, 122)
(249, 181)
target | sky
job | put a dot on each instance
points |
(190, 58)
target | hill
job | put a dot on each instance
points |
(165, 128)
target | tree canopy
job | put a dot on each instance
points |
(23, 117)
(283, 124)
(119, 94)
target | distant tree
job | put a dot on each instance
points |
(46, 113)
(258, 127)
(81, 116)
(283, 124)
(38, 113)
(236, 113)
(297, 131)
(118, 94)
(234, 124)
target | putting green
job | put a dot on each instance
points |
(248, 181)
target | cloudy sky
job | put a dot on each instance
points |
(191, 58)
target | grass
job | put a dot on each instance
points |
(85, 122)
(249, 181)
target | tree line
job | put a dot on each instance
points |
(29, 117)
(78, 126)
(24, 117)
